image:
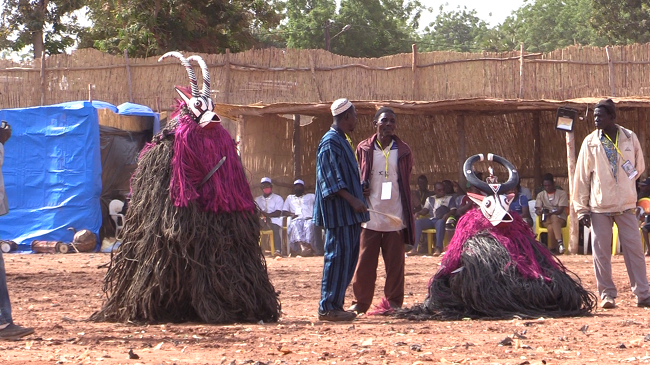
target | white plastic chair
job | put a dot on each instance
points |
(114, 209)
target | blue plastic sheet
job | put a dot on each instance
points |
(52, 172)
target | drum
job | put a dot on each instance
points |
(49, 247)
(84, 241)
(8, 246)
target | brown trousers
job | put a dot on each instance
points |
(392, 251)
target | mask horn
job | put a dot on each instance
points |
(471, 178)
(188, 67)
(513, 175)
(205, 91)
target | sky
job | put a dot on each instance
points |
(499, 9)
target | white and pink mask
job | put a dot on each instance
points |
(496, 203)
(199, 103)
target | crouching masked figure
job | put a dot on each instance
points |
(495, 268)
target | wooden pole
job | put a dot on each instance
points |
(297, 148)
(573, 217)
(128, 75)
(612, 86)
(521, 71)
(460, 127)
(642, 133)
(313, 76)
(43, 78)
(414, 70)
(537, 152)
(226, 85)
(90, 92)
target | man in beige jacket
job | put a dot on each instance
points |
(609, 163)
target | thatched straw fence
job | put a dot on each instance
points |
(310, 76)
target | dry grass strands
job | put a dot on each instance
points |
(184, 264)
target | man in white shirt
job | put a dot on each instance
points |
(270, 205)
(300, 232)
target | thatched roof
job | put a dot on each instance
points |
(471, 105)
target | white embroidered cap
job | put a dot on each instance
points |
(266, 180)
(339, 106)
(299, 182)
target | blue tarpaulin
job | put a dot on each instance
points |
(52, 172)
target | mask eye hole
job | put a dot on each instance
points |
(198, 104)
(488, 203)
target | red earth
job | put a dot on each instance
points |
(55, 294)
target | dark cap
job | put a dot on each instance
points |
(644, 182)
(607, 104)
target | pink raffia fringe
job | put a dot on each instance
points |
(196, 152)
(516, 237)
(382, 309)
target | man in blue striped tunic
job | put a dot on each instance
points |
(340, 207)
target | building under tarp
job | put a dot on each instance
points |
(65, 162)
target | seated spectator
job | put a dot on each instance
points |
(525, 191)
(270, 211)
(644, 212)
(465, 203)
(418, 199)
(300, 231)
(436, 209)
(519, 205)
(551, 206)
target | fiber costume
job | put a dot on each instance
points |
(190, 241)
(494, 267)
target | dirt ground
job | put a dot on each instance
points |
(55, 294)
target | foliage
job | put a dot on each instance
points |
(459, 30)
(377, 27)
(545, 25)
(41, 24)
(622, 21)
(153, 27)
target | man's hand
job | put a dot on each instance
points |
(586, 221)
(366, 191)
(538, 210)
(358, 205)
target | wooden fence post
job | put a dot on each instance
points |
(415, 92)
(460, 127)
(537, 152)
(610, 63)
(297, 148)
(521, 70)
(226, 85)
(573, 217)
(128, 75)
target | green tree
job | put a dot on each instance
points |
(376, 27)
(306, 22)
(622, 21)
(49, 25)
(459, 30)
(153, 27)
(545, 25)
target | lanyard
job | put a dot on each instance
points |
(615, 143)
(385, 154)
(351, 146)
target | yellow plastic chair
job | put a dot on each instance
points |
(430, 233)
(616, 243)
(541, 229)
(269, 233)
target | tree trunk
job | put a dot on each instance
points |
(37, 41)
(37, 34)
